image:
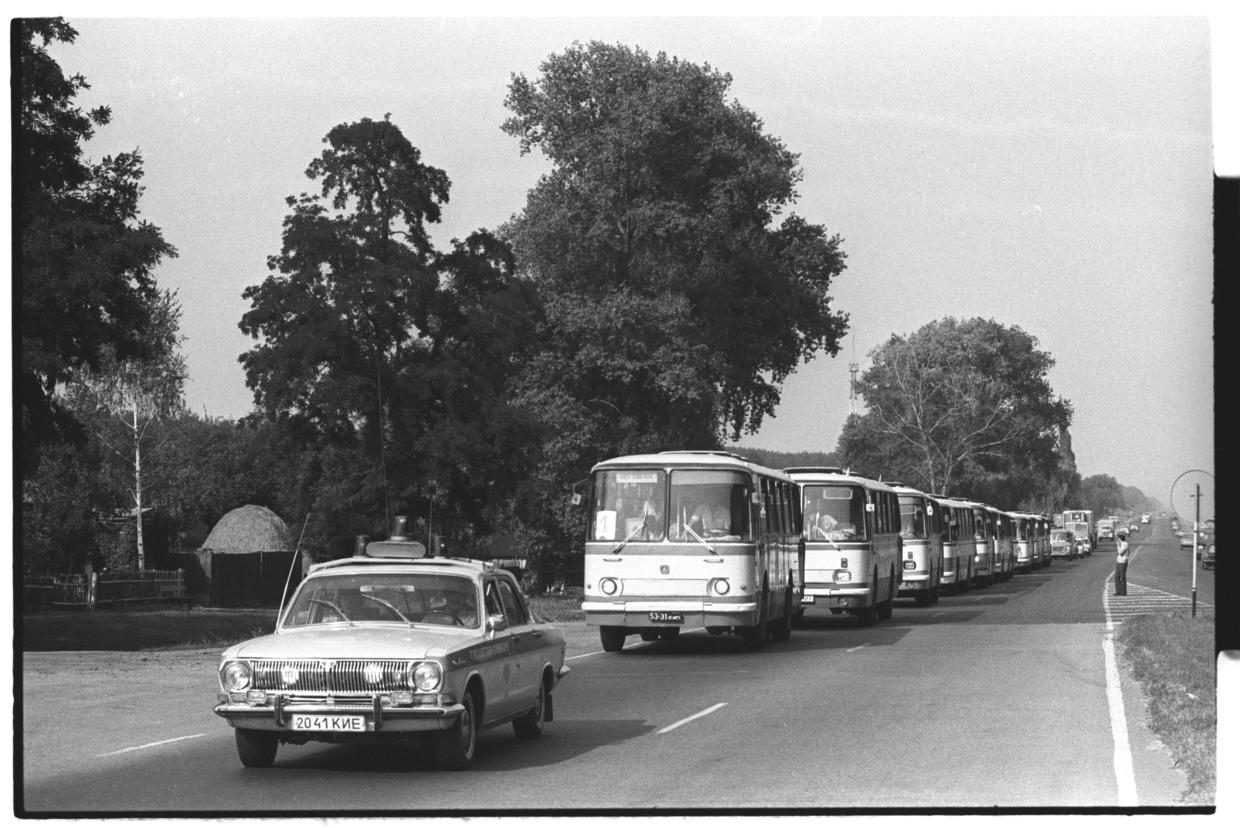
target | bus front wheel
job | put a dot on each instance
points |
(612, 638)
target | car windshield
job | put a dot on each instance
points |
(398, 598)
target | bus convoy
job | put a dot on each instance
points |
(692, 539)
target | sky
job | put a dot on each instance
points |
(1050, 173)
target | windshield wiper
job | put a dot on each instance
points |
(699, 538)
(632, 535)
(335, 608)
(387, 604)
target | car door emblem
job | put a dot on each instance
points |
(664, 569)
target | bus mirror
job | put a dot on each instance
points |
(756, 498)
(929, 510)
(869, 507)
(576, 498)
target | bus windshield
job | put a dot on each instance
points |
(710, 504)
(629, 504)
(912, 517)
(834, 512)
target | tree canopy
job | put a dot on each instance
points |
(86, 259)
(671, 297)
(395, 355)
(961, 407)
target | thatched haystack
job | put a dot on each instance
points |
(248, 529)
(249, 556)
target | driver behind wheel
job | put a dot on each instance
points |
(712, 516)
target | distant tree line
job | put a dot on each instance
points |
(653, 293)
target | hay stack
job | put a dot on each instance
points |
(248, 529)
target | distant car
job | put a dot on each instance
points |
(1134, 528)
(1186, 540)
(1064, 544)
(391, 644)
(1145, 518)
(1207, 557)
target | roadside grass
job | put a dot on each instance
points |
(159, 628)
(1173, 658)
(141, 628)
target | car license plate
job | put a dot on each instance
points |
(667, 617)
(345, 724)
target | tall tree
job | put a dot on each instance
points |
(393, 354)
(675, 299)
(672, 299)
(962, 407)
(124, 398)
(86, 259)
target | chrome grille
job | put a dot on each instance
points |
(331, 677)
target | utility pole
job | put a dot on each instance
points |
(853, 368)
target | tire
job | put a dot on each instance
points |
(867, 615)
(757, 635)
(256, 748)
(455, 747)
(530, 726)
(781, 629)
(612, 638)
(884, 610)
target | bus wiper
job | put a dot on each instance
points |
(632, 535)
(699, 539)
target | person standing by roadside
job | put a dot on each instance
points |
(1121, 565)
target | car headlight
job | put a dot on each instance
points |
(426, 676)
(235, 676)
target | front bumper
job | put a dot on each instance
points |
(694, 613)
(278, 716)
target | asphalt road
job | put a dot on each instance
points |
(994, 698)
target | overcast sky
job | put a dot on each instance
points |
(1049, 173)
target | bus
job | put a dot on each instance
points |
(1026, 529)
(686, 539)
(958, 549)
(1080, 522)
(1000, 527)
(921, 533)
(851, 527)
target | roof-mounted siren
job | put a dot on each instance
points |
(400, 544)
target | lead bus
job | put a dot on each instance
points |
(852, 542)
(921, 533)
(692, 539)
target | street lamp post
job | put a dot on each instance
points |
(1196, 523)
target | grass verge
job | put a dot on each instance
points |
(1172, 657)
(161, 628)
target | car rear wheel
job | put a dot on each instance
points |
(530, 726)
(454, 748)
(256, 748)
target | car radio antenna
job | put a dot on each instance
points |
(296, 557)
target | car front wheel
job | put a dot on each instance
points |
(456, 745)
(256, 748)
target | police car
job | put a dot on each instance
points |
(394, 644)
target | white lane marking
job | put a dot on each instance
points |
(151, 745)
(854, 649)
(1125, 780)
(583, 655)
(705, 712)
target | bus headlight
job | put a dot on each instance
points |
(910, 564)
(843, 576)
(720, 586)
(609, 586)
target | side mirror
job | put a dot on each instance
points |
(496, 623)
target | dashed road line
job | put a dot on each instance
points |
(150, 745)
(688, 719)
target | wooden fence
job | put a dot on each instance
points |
(111, 587)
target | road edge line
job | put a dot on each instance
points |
(1125, 779)
(688, 719)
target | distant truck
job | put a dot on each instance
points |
(1080, 522)
(1106, 529)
